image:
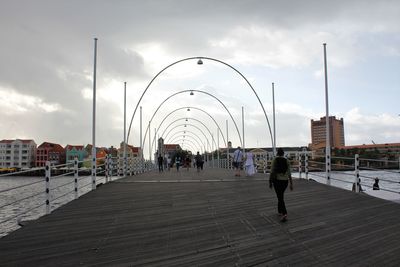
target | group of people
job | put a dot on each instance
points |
(280, 176)
(165, 162)
(247, 158)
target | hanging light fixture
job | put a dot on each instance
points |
(200, 62)
(191, 93)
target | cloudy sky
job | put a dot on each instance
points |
(46, 69)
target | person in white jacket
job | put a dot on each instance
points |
(249, 164)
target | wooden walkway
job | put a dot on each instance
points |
(209, 219)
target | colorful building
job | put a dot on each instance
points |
(72, 151)
(17, 153)
(47, 151)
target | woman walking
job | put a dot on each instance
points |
(280, 177)
(249, 164)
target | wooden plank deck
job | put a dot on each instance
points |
(209, 219)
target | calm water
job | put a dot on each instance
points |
(62, 192)
(63, 188)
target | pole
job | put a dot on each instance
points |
(328, 140)
(273, 120)
(141, 140)
(149, 143)
(243, 129)
(219, 164)
(94, 118)
(227, 146)
(124, 130)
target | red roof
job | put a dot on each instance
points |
(170, 146)
(51, 145)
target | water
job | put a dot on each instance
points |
(30, 200)
(388, 180)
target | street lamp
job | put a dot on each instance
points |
(191, 93)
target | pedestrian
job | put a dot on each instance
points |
(177, 162)
(187, 162)
(237, 160)
(169, 163)
(376, 184)
(199, 161)
(249, 164)
(280, 177)
(160, 163)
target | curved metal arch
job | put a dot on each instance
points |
(199, 143)
(199, 91)
(191, 148)
(190, 107)
(193, 143)
(191, 133)
(189, 125)
(200, 58)
(212, 137)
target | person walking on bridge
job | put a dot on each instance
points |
(237, 160)
(280, 177)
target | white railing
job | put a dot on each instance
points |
(38, 191)
(355, 173)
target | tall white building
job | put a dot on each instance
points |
(17, 153)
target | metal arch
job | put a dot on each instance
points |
(201, 144)
(199, 58)
(196, 109)
(212, 137)
(191, 133)
(194, 90)
(190, 147)
(189, 140)
(187, 131)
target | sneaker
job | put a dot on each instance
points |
(284, 218)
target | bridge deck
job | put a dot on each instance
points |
(211, 218)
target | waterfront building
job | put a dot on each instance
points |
(52, 152)
(132, 154)
(17, 153)
(72, 151)
(171, 149)
(318, 133)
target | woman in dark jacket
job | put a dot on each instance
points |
(280, 177)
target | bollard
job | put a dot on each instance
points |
(76, 177)
(48, 175)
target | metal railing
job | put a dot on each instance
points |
(33, 193)
(355, 173)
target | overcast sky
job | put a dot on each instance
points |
(46, 69)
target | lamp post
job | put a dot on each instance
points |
(273, 120)
(328, 140)
(124, 164)
(94, 167)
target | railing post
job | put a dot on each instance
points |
(106, 168)
(357, 173)
(94, 168)
(48, 176)
(299, 159)
(306, 164)
(76, 177)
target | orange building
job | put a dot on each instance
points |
(318, 133)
